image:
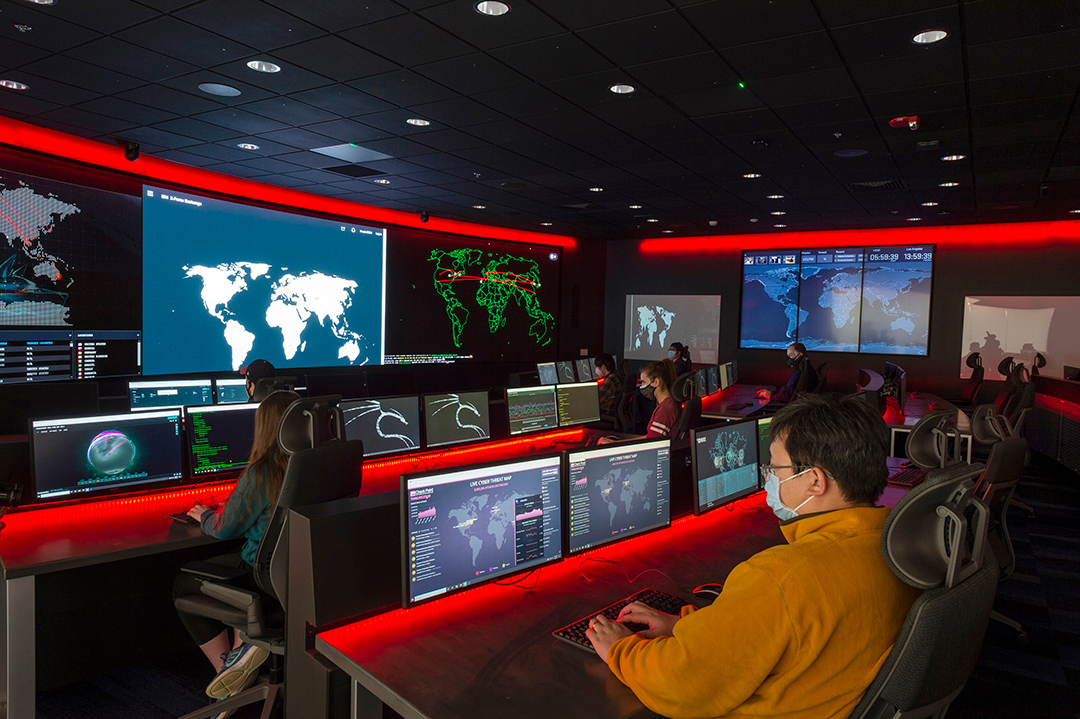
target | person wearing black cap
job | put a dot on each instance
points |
(256, 370)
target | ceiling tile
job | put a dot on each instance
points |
(403, 88)
(473, 74)
(290, 79)
(726, 24)
(838, 13)
(523, 101)
(841, 110)
(702, 71)
(184, 41)
(169, 100)
(130, 59)
(105, 16)
(80, 74)
(447, 141)
(638, 112)
(817, 85)
(241, 120)
(891, 37)
(408, 40)
(342, 100)
(197, 129)
(785, 56)
(939, 68)
(251, 22)
(460, 112)
(14, 53)
(289, 111)
(1010, 57)
(917, 100)
(48, 32)
(190, 84)
(553, 58)
(524, 23)
(645, 39)
(88, 120)
(335, 58)
(714, 101)
(45, 89)
(298, 138)
(337, 16)
(347, 131)
(576, 15)
(994, 20)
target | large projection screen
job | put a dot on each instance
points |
(653, 322)
(1018, 327)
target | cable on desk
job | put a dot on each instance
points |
(517, 582)
(625, 573)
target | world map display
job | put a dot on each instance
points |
(498, 278)
(628, 493)
(653, 322)
(726, 463)
(873, 300)
(652, 327)
(487, 523)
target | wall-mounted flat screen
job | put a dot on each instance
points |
(724, 463)
(617, 492)
(531, 409)
(220, 437)
(87, 456)
(456, 417)
(169, 394)
(838, 299)
(470, 525)
(225, 283)
(653, 322)
(386, 425)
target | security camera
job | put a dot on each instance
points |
(131, 151)
(423, 216)
(712, 223)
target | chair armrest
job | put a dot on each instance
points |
(209, 570)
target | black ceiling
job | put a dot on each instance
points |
(523, 123)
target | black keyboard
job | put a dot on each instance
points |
(908, 477)
(183, 518)
(575, 633)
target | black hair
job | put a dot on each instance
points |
(663, 370)
(845, 436)
(682, 349)
(606, 361)
(798, 347)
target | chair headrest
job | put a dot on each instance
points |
(310, 422)
(936, 534)
(683, 388)
(987, 426)
(1019, 375)
(1005, 366)
(1038, 360)
(928, 442)
(974, 360)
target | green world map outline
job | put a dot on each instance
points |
(499, 282)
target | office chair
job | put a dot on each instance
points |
(935, 539)
(1037, 363)
(822, 376)
(988, 428)
(1005, 368)
(800, 386)
(322, 467)
(995, 488)
(685, 393)
(928, 441)
(1022, 399)
(970, 393)
(267, 385)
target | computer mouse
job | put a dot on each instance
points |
(708, 591)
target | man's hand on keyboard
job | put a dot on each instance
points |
(603, 632)
(660, 624)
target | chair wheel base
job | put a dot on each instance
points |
(1023, 639)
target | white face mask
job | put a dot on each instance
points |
(772, 495)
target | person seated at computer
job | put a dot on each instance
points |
(245, 514)
(800, 629)
(656, 381)
(612, 384)
(256, 370)
(799, 363)
(680, 355)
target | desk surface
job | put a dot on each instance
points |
(489, 652)
(722, 404)
(920, 404)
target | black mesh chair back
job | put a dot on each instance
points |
(689, 418)
(928, 441)
(935, 539)
(801, 365)
(683, 387)
(987, 426)
(970, 393)
(822, 377)
(995, 488)
(1022, 399)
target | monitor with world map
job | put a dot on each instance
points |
(653, 322)
(838, 299)
(617, 491)
(225, 283)
(469, 525)
(724, 463)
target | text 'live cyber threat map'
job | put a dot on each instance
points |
(69, 255)
(291, 289)
(873, 300)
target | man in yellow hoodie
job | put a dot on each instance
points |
(800, 629)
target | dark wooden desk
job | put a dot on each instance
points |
(489, 653)
(43, 541)
(917, 406)
(722, 404)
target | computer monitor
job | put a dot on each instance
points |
(386, 425)
(548, 373)
(230, 391)
(616, 492)
(734, 371)
(469, 525)
(586, 370)
(714, 380)
(566, 372)
(764, 452)
(577, 403)
(701, 381)
(1072, 373)
(89, 456)
(726, 378)
(170, 394)
(456, 417)
(219, 438)
(724, 463)
(895, 384)
(531, 409)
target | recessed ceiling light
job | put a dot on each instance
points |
(948, 184)
(914, 219)
(596, 189)
(952, 158)
(12, 85)
(620, 89)
(546, 224)
(382, 182)
(418, 122)
(651, 220)
(926, 37)
(479, 207)
(492, 8)
(263, 66)
(635, 207)
(779, 225)
(930, 204)
(851, 152)
(213, 88)
(778, 212)
(775, 197)
(751, 175)
(667, 231)
(42, 2)
(1075, 212)
(247, 146)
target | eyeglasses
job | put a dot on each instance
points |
(766, 468)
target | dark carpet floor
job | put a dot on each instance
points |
(1041, 680)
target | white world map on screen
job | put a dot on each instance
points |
(295, 303)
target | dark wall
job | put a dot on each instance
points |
(1036, 269)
